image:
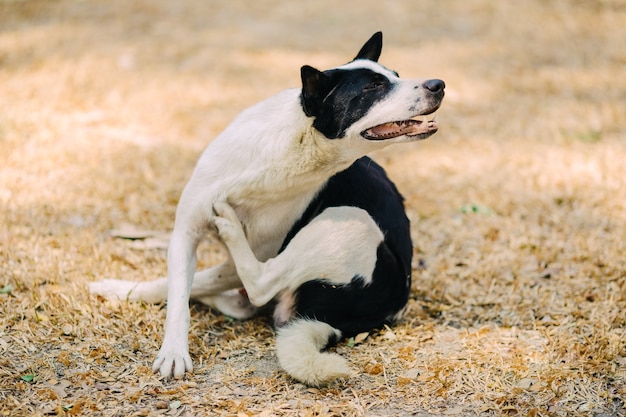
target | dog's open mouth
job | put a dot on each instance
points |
(413, 128)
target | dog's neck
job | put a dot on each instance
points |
(273, 151)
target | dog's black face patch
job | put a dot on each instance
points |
(337, 98)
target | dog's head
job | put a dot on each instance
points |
(365, 99)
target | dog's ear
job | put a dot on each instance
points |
(372, 48)
(315, 86)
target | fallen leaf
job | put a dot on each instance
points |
(374, 368)
(157, 242)
(454, 411)
(360, 337)
(131, 232)
(40, 317)
(389, 335)
(413, 373)
(524, 383)
(28, 377)
(101, 387)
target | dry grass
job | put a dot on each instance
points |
(518, 204)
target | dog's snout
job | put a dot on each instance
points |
(434, 85)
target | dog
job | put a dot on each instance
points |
(310, 222)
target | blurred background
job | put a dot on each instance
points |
(84, 83)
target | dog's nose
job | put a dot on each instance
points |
(434, 85)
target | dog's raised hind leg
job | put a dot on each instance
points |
(337, 246)
(231, 231)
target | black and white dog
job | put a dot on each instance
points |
(309, 221)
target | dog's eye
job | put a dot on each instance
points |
(374, 85)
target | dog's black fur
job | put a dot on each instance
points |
(355, 307)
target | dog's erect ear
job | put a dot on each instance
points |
(372, 48)
(315, 86)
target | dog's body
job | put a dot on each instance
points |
(308, 220)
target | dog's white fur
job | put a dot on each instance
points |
(267, 165)
(298, 348)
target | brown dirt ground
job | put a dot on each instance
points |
(518, 204)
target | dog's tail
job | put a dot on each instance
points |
(299, 348)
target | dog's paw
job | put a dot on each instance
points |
(115, 289)
(172, 362)
(225, 228)
(227, 222)
(224, 210)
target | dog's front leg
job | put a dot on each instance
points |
(173, 358)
